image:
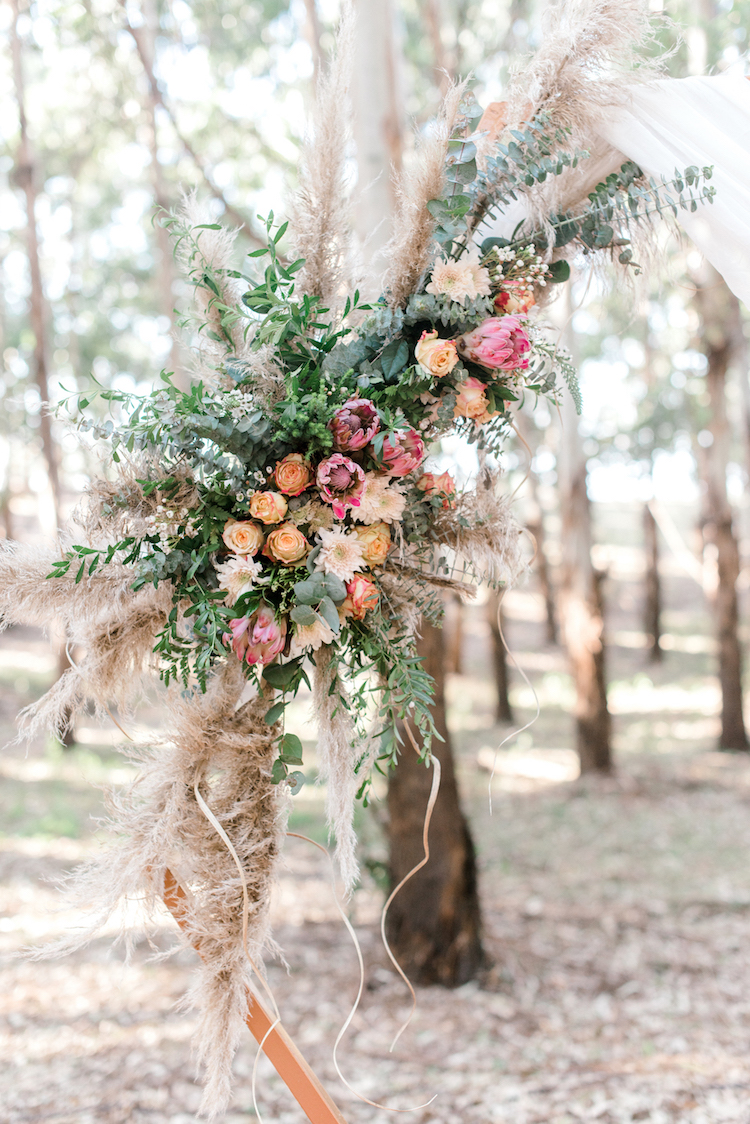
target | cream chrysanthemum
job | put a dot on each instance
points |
(312, 636)
(340, 554)
(238, 576)
(459, 280)
(380, 502)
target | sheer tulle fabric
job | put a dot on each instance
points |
(673, 123)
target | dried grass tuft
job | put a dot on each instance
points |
(338, 753)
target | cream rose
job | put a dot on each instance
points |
(375, 541)
(286, 544)
(242, 537)
(437, 357)
(269, 507)
(293, 474)
(472, 401)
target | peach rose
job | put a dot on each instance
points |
(242, 537)
(442, 486)
(437, 357)
(293, 474)
(269, 507)
(286, 544)
(376, 542)
(361, 596)
(472, 401)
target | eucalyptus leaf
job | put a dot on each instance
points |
(304, 615)
(327, 610)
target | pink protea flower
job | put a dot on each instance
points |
(354, 424)
(499, 343)
(404, 455)
(259, 638)
(341, 483)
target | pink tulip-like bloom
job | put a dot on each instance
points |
(341, 483)
(354, 424)
(499, 343)
(404, 455)
(259, 638)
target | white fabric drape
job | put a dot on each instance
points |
(673, 123)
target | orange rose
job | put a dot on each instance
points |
(436, 356)
(376, 542)
(471, 401)
(361, 596)
(443, 486)
(242, 537)
(293, 474)
(286, 544)
(269, 507)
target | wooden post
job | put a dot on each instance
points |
(278, 1047)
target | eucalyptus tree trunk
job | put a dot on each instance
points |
(580, 602)
(166, 272)
(721, 329)
(652, 586)
(494, 616)
(433, 924)
(26, 176)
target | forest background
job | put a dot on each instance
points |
(631, 627)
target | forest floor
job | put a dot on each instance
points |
(616, 912)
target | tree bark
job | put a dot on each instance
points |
(453, 634)
(25, 174)
(433, 924)
(721, 327)
(652, 603)
(581, 602)
(494, 611)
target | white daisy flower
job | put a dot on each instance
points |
(310, 636)
(238, 576)
(380, 502)
(340, 554)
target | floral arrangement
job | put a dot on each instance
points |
(275, 512)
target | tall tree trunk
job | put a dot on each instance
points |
(453, 634)
(378, 127)
(581, 602)
(721, 327)
(494, 616)
(433, 925)
(433, 14)
(313, 31)
(26, 177)
(652, 583)
(166, 273)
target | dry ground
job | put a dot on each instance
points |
(617, 914)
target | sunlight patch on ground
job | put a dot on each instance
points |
(529, 770)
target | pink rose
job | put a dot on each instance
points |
(269, 507)
(404, 455)
(293, 474)
(259, 638)
(514, 298)
(341, 483)
(442, 486)
(361, 596)
(472, 401)
(499, 343)
(354, 424)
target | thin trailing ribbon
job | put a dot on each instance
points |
(434, 790)
(360, 960)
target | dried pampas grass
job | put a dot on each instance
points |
(484, 533)
(319, 216)
(409, 250)
(157, 823)
(338, 754)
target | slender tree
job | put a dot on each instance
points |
(721, 327)
(494, 616)
(653, 598)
